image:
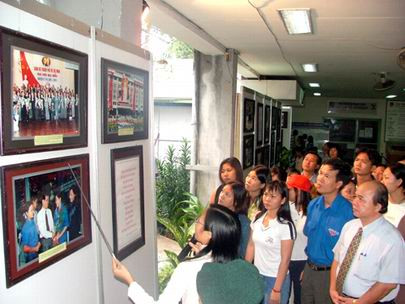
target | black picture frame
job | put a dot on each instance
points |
(125, 102)
(259, 156)
(248, 150)
(279, 138)
(248, 115)
(266, 155)
(284, 119)
(267, 111)
(43, 95)
(24, 185)
(259, 125)
(128, 212)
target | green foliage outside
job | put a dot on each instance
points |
(172, 181)
(177, 209)
(179, 49)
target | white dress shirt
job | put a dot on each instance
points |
(395, 213)
(41, 222)
(379, 258)
(182, 285)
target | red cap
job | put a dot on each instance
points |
(300, 182)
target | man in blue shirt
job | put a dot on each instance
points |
(326, 217)
(29, 236)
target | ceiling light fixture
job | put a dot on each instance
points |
(314, 85)
(317, 94)
(390, 96)
(310, 67)
(297, 20)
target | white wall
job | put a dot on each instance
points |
(143, 263)
(85, 276)
(172, 123)
(73, 279)
(315, 109)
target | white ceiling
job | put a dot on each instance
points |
(352, 40)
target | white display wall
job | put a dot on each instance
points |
(85, 275)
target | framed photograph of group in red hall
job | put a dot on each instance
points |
(125, 97)
(45, 215)
(127, 200)
(43, 95)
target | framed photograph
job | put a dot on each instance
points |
(259, 125)
(267, 110)
(279, 135)
(248, 115)
(273, 149)
(43, 95)
(45, 216)
(259, 156)
(284, 119)
(266, 156)
(127, 200)
(248, 149)
(125, 96)
(274, 118)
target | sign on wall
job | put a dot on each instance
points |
(395, 121)
(339, 107)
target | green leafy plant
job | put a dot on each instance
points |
(180, 229)
(286, 159)
(172, 180)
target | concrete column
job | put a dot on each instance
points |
(216, 113)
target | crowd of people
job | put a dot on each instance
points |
(331, 233)
(47, 224)
(43, 103)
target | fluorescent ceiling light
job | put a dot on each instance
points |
(314, 85)
(390, 96)
(297, 20)
(317, 94)
(310, 67)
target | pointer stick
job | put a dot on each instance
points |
(93, 215)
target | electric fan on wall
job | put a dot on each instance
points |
(384, 83)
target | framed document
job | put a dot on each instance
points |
(125, 98)
(45, 216)
(43, 95)
(127, 200)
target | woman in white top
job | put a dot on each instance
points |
(299, 193)
(219, 229)
(394, 180)
(271, 242)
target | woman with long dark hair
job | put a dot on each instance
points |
(233, 196)
(230, 170)
(219, 229)
(271, 242)
(394, 180)
(254, 185)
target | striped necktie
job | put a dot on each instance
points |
(347, 261)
